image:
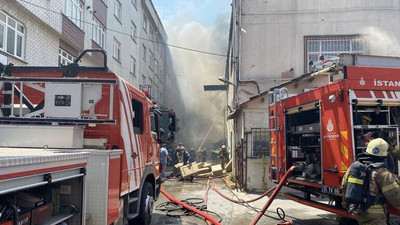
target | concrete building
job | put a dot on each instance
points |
(39, 33)
(274, 41)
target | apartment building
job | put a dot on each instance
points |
(54, 32)
(274, 41)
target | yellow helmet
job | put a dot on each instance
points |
(378, 147)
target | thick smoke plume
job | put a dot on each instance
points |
(199, 110)
(381, 42)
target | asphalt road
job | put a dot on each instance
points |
(232, 213)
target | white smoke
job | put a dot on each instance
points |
(381, 42)
(200, 110)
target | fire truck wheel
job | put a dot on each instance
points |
(146, 204)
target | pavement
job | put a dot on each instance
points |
(229, 212)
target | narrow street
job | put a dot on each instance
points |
(231, 213)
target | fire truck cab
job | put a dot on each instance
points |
(78, 145)
(322, 130)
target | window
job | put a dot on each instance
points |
(99, 36)
(64, 58)
(137, 108)
(144, 53)
(143, 79)
(118, 9)
(117, 49)
(318, 48)
(132, 67)
(73, 9)
(155, 66)
(155, 123)
(12, 36)
(144, 22)
(151, 59)
(151, 31)
(133, 31)
(259, 142)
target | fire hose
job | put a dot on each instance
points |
(203, 214)
(211, 220)
(274, 194)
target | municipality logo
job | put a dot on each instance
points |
(362, 81)
(329, 126)
(376, 151)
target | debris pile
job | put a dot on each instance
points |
(204, 170)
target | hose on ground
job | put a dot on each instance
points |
(191, 208)
(274, 194)
(241, 201)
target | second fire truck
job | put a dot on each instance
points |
(321, 121)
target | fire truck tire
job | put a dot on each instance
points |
(146, 205)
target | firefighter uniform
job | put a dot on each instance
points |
(383, 187)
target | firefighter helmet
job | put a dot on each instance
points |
(378, 147)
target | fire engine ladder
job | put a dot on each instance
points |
(19, 108)
(23, 110)
(274, 99)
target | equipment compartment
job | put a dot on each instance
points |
(304, 143)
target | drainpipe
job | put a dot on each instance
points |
(240, 41)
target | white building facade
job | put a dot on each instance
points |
(274, 41)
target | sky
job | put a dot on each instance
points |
(201, 25)
(204, 12)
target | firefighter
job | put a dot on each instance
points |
(223, 155)
(382, 186)
(186, 159)
(164, 156)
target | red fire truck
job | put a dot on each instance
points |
(79, 145)
(326, 119)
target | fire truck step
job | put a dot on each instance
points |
(131, 200)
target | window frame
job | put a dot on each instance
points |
(145, 22)
(313, 53)
(116, 49)
(262, 134)
(73, 10)
(68, 57)
(18, 40)
(144, 56)
(118, 9)
(133, 31)
(151, 59)
(98, 33)
(132, 66)
(137, 114)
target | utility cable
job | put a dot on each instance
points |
(120, 32)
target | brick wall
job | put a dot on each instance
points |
(72, 35)
(97, 56)
(101, 11)
(66, 47)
